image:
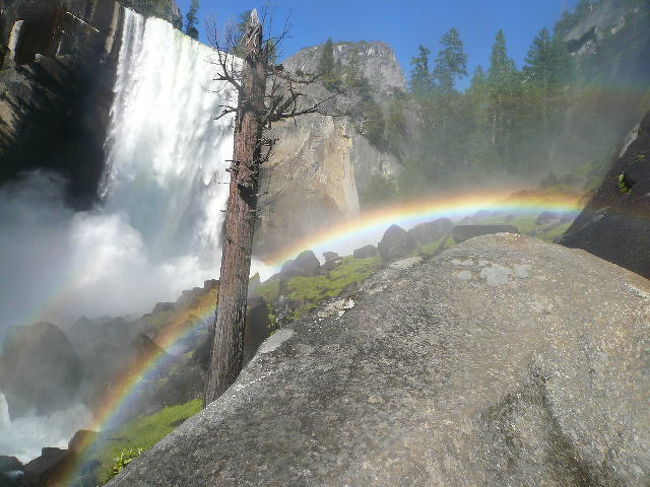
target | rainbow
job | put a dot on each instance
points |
(372, 224)
(363, 228)
(121, 396)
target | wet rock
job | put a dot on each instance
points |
(257, 326)
(39, 369)
(465, 232)
(8, 464)
(365, 252)
(306, 264)
(330, 256)
(47, 468)
(431, 231)
(396, 244)
(534, 373)
(256, 329)
(81, 440)
(615, 223)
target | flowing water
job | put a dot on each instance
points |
(167, 154)
(157, 228)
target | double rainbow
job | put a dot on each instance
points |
(363, 228)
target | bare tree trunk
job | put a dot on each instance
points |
(227, 348)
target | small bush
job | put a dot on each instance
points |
(126, 456)
(623, 184)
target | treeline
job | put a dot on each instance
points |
(511, 120)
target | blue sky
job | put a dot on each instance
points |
(404, 24)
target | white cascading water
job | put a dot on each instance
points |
(157, 229)
(5, 420)
(166, 168)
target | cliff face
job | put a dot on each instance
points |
(615, 223)
(323, 161)
(611, 45)
(58, 63)
(313, 178)
(56, 86)
(376, 60)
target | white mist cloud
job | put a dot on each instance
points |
(24, 437)
(58, 265)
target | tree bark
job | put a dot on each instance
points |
(227, 349)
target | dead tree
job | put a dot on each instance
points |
(266, 93)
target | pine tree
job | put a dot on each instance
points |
(451, 63)
(327, 68)
(191, 20)
(502, 83)
(538, 62)
(326, 65)
(420, 76)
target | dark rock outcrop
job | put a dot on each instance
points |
(330, 256)
(431, 231)
(332, 261)
(503, 361)
(256, 329)
(8, 464)
(39, 369)
(306, 264)
(461, 233)
(257, 326)
(615, 223)
(53, 467)
(365, 252)
(396, 243)
(57, 86)
(46, 469)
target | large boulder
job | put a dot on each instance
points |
(39, 369)
(503, 361)
(432, 231)
(306, 264)
(615, 223)
(365, 252)
(396, 243)
(461, 233)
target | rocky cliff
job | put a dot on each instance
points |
(323, 161)
(615, 223)
(376, 61)
(56, 86)
(504, 361)
(611, 45)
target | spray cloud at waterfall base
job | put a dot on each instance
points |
(157, 228)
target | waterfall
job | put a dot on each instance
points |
(5, 420)
(167, 155)
(157, 228)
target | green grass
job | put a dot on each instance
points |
(270, 290)
(143, 433)
(310, 292)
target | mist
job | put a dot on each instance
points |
(58, 265)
